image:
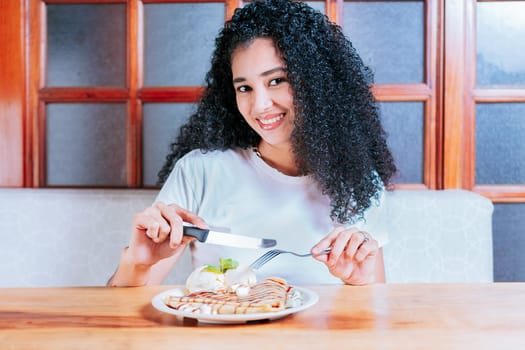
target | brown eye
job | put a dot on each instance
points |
(277, 81)
(243, 88)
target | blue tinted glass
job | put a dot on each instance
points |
(86, 45)
(390, 38)
(318, 5)
(500, 56)
(179, 42)
(509, 242)
(404, 125)
(500, 150)
(161, 123)
(86, 144)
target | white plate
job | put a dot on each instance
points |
(310, 298)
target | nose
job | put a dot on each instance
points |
(262, 100)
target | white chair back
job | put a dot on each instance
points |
(439, 236)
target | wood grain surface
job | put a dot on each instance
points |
(395, 316)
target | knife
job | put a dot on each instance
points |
(221, 238)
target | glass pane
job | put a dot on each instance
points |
(389, 36)
(404, 125)
(161, 126)
(508, 223)
(86, 45)
(500, 43)
(177, 51)
(318, 5)
(86, 144)
(500, 150)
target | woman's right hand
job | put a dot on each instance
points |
(157, 233)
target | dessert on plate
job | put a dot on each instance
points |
(233, 289)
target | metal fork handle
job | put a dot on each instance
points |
(326, 251)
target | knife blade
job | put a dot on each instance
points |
(222, 238)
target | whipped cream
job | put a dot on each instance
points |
(237, 281)
(205, 281)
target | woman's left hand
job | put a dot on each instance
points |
(352, 257)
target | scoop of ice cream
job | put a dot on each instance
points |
(202, 280)
(240, 280)
(240, 275)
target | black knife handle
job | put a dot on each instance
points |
(200, 233)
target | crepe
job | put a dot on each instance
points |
(269, 295)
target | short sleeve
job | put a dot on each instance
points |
(178, 188)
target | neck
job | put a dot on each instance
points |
(279, 158)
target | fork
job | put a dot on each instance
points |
(269, 255)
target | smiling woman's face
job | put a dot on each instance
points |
(264, 96)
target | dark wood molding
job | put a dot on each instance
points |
(171, 94)
(12, 93)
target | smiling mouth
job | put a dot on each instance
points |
(271, 123)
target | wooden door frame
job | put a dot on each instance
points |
(13, 94)
(452, 114)
(462, 95)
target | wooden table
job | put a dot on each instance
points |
(402, 316)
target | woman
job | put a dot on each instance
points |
(286, 143)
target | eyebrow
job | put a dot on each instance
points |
(263, 74)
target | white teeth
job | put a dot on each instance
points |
(272, 120)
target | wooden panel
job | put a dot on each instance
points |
(12, 93)
(401, 92)
(36, 59)
(84, 1)
(229, 8)
(334, 11)
(40, 176)
(171, 94)
(88, 94)
(499, 95)
(135, 76)
(429, 92)
(469, 106)
(454, 80)
(41, 95)
(411, 187)
(448, 162)
(502, 193)
(433, 176)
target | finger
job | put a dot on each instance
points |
(356, 240)
(163, 226)
(174, 223)
(146, 222)
(325, 243)
(369, 247)
(183, 215)
(339, 247)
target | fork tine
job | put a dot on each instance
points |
(263, 259)
(269, 255)
(254, 265)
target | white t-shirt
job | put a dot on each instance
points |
(236, 190)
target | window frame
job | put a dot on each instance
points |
(449, 94)
(460, 105)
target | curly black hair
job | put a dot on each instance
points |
(337, 138)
